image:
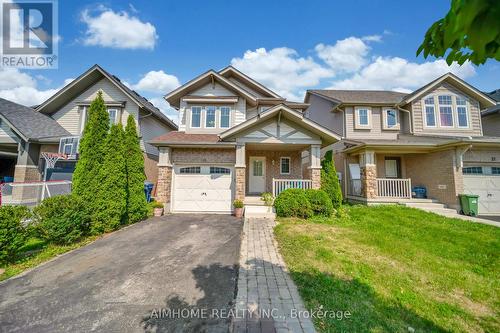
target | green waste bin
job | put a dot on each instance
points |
(468, 203)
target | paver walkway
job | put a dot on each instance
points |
(267, 296)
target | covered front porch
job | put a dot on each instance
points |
(276, 150)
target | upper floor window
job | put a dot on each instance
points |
(430, 115)
(463, 119)
(285, 165)
(210, 117)
(391, 118)
(196, 116)
(445, 111)
(113, 116)
(362, 115)
(225, 116)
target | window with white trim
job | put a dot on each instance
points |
(445, 111)
(462, 116)
(391, 118)
(362, 116)
(225, 116)
(285, 165)
(190, 170)
(430, 114)
(196, 116)
(113, 116)
(210, 117)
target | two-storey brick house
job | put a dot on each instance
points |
(392, 142)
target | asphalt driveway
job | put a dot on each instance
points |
(132, 280)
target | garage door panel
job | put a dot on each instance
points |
(203, 192)
(488, 189)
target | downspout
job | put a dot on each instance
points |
(409, 116)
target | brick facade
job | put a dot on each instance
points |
(202, 155)
(24, 173)
(164, 185)
(437, 172)
(273, 169)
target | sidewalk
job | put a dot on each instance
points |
(266, 293)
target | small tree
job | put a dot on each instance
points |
(91, 152)
(136, 200)
(110, 210)
(329, 180)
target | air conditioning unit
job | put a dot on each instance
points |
(69, 146)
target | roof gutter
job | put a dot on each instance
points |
(409, 117)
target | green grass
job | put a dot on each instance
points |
(395, 268)
(37, 251)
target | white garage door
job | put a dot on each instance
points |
(200, 188)
(485, 182)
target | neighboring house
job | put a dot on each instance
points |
(392, 142)
(57, 124)
(236, 138)
(491, 116)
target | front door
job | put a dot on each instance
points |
(257, 177)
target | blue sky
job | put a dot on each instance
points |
(290, 46)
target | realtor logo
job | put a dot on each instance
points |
(29, 34)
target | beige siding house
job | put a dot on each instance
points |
(237, 139)
(431, 138)
(67, 113)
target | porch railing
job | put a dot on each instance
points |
(279, 185)
(394, 188)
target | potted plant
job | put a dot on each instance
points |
(268, 200)
(157, 208)
(238, 208)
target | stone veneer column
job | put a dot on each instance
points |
(368, 171)
(314, 168)
(315, 176)
(164, 184)
(240, 183)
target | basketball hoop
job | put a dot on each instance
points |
(52, 158)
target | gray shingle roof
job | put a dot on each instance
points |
(495, 95)
(362, 96)
(29, 123)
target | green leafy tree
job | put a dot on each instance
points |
(470, 31)
(136, 200)
(91, 152)
(111, 199)
(330, 181)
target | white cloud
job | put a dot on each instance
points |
(22, 88)
(169, 111)
(346, 55)
(157, 81)
(118, 30)
(282, 70)
(394, 73)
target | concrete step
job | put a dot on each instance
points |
(253, 201)
(425, 205)
(442, 211)
(415, 200)
(259, 211)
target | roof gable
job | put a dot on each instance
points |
(305, 125)
(91, 77)
(454, 80)
(174, 97)
(245, 80)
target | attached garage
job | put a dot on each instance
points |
(203, 188)
(485, 182)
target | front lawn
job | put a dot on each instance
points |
(396, 269)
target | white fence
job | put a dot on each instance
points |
(32, 193)
(279, 185)
(394, 188)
